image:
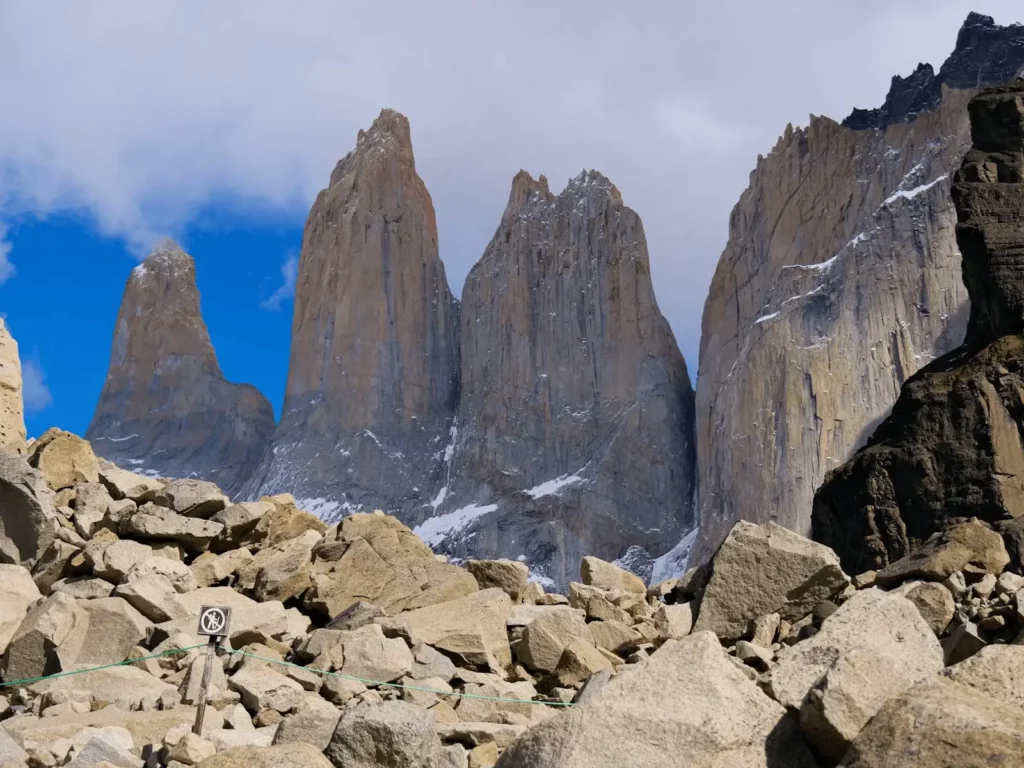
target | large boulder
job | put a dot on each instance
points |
(17, 594)
(11, 751)
(393, 733)
(997, 670)
(609, 577)
(192, 498)
(940, 724)
(28, 520)
(943, 554)
(122, 484)
(313, 722)
(154, 597)
(210, 569)
(547, 636)
(51, 629)
(176, 572)
(114, 560)
(151, 522)
(470, 628)
(876, 646)
(283, 522)
(368, 655)
(689, 705)
(238, 520)
(762, 569)
(262, 688)
(64, 459)
(377, 559)
(112, 628)
(509, 575)
(92, 503)
(935, 604)
(280, 572)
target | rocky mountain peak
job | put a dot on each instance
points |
(985, 54)
(527, 190)
(373, 376)
(164, 284)
(575, 404)
(387, 140)
(165, 406)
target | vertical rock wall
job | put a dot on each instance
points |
(373, 378)
(840, 279)
(575, 422)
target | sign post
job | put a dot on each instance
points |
(214, 621)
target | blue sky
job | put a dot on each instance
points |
(217, 123)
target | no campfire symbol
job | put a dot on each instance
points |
(214, 620)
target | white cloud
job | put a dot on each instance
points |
(143, 113)
(289, 273)
(7, 270)
(34, 390)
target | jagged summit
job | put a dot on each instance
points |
(387, 140)
(575, 422)
(166, 406)
(528, 192)
(985, 54)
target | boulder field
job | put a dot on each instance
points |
(355, 645)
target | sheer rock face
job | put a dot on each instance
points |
(12, 416)
(373, 379)
(952, 446)
(166, 408)
(575, 423)
(841, 278)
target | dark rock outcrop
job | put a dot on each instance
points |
(952, 447)
(373, 378)
(166, 409)
(985, 54)
(840, 280)
(575, 423)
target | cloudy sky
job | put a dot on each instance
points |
(217, 123)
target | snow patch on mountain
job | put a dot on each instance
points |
(674, 562)
(435, 530)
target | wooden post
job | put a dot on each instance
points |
(214, 621)
(204, 688)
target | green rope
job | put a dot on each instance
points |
(399, 685)
(30, 680)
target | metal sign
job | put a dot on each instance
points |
(214, 620)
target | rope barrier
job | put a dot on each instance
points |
(364, 681)
(30, 680)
